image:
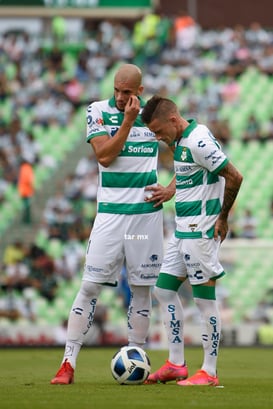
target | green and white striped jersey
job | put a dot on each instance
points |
(121, 185)
(198, 158)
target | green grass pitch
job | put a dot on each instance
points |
(245, 373)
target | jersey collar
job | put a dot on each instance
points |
(193, 124)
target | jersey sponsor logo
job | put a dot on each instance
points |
(201, 144)
(216, 159)
(136, 237)
(140, 149)
(144, 313)
(215, 336)
(113, 119)
(94, 269)
(151, 265)
(198, 274)
(114, 130)
(90, 318)
(193, 265)
(93, 129)
(149, 134)
(174, 324)
(213, 157)
(134, 134)
(99, 121)
(193, 227)
(78, 310)
(185, 182)
(153, 257)
(148, 276)
(182, 168)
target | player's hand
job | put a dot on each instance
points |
(158, 194)
(220, 229)
(132, 108)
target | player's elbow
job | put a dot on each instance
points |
(240, 179)
(105, 162)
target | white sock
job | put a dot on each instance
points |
(80, 320)
(211, 332)
(173, 318)
(139, 313)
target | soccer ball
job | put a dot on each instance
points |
(130, 366)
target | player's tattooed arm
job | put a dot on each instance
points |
(233, 181)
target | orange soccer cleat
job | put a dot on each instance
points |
(168, 372)
(64, 376)
(200, 378)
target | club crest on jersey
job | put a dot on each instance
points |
(184, 154)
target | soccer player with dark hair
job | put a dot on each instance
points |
(206, 186)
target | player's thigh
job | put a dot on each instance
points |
(173, 262)
(144, 248)
(105, 254)
(201, 258)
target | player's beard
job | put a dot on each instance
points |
(120, 107)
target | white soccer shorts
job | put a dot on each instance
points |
(196, 259)
(118, 239)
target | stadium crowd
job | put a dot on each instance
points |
(43, 83)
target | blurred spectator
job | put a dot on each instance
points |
(4, 86)
(230, 92)
(58, 28)
(185, 31)
(265, 61)
(267, 130)
(253, 130)
(121, 47)
(265, 333)
(14, 252)
(82, 73)
(15, 308)
(74, 91)
(145, 41)
(59, 213)
(72, 187)
(256, 35)
(42, 275)
(15, 276)
(26, 189)
(71, 261)
(220, 130)
(271, 207)
(247, 225)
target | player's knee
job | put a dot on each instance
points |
(141, 299)
(89, 289)
(164, 295)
